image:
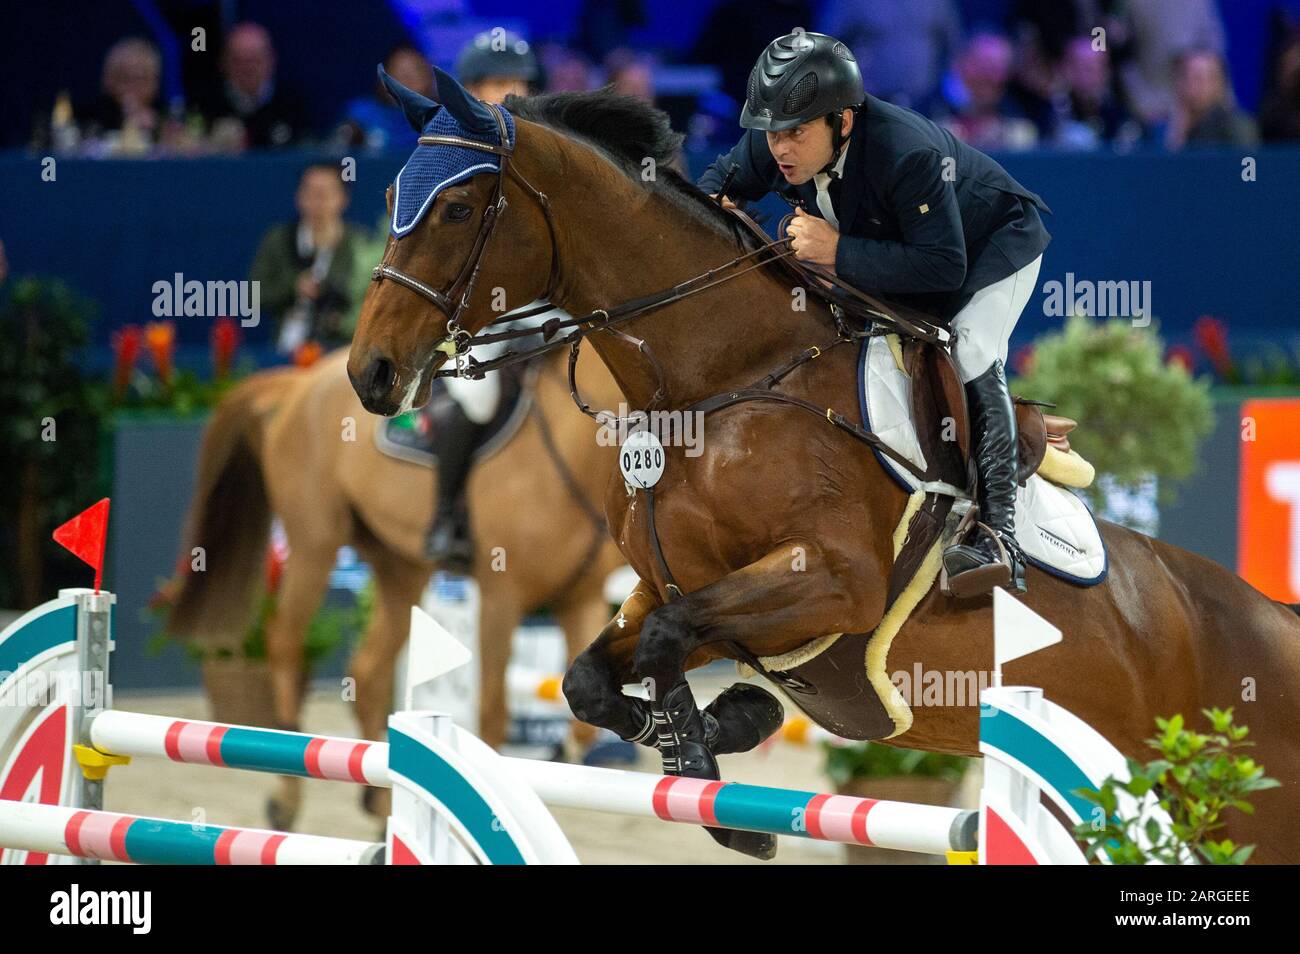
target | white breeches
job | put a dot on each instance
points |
(480, 399)
(982, 329)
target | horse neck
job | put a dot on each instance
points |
(635, 242)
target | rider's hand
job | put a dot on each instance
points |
(307, 286)
(726, 203)
(813, 240)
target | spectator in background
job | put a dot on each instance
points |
(736, 28)
(376, 121)
(974, 102)
(305, 267)
(1042, 31)
(128, 107)
(902, 48)
(497, 64)
(250, 109)
(631, 74)
(567, 71)
(1279, 117)
(1086, 113)
(603, 26)
(1204, 111)
(1158, 32)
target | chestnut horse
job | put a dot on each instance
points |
(780, 531)
(295, 444)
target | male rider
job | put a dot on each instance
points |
(492, 66)
(901, 209)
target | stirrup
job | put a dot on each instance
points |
(1006, 571)
(452, 548)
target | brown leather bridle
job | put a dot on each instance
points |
(455, 299)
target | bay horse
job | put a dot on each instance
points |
(279, 445)
(779, 532)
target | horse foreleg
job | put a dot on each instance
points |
(775, 599)
(399, 584)
(593, 686)
(582, 615)
(302, 588)
(498, 617)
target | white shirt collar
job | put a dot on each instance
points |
(823, 179)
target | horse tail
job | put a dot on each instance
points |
(230, 518)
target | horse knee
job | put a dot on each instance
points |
(596, 697)
(587, 689)
(663, 646)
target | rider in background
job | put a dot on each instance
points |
(492, 66)
(900, 208)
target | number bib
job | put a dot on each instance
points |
(641, 459)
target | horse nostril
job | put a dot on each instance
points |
(379, 377)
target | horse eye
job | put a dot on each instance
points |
(457, 212)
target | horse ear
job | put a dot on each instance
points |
(469, 112)
(417, 108)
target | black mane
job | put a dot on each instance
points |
(628, 130)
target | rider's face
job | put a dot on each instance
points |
(805, 150)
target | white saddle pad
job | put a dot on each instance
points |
(1054, 527)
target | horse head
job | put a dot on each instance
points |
(454, 256)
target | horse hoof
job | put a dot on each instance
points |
(280, 817)
(755, 844)
(376, 801)
(746, 715)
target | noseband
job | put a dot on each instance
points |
(455, 299)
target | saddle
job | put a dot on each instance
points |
(415, 436)
(943, 419)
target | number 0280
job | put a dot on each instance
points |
(640, 457)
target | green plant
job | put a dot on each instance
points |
(50, 420)
(1197, 779)
(328, 629)
(1139, 417)
(845, 762)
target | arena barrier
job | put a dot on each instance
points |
(454, 799)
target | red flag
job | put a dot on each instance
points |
(84, 536)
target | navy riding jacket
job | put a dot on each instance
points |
(925, 219)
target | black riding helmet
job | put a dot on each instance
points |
(802, 76)
(497, 53)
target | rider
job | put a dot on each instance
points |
(900, 208)
(492, 66)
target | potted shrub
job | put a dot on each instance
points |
(1197, 779)
(51, 415)
(871, 770)
(1141, 413)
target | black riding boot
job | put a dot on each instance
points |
(976, 567)
(683, 748)
(449, 543)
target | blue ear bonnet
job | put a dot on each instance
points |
(433, 168)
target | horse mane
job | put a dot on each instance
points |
(628, 130)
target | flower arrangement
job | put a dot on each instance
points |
(181, 392)
(1271, 365)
